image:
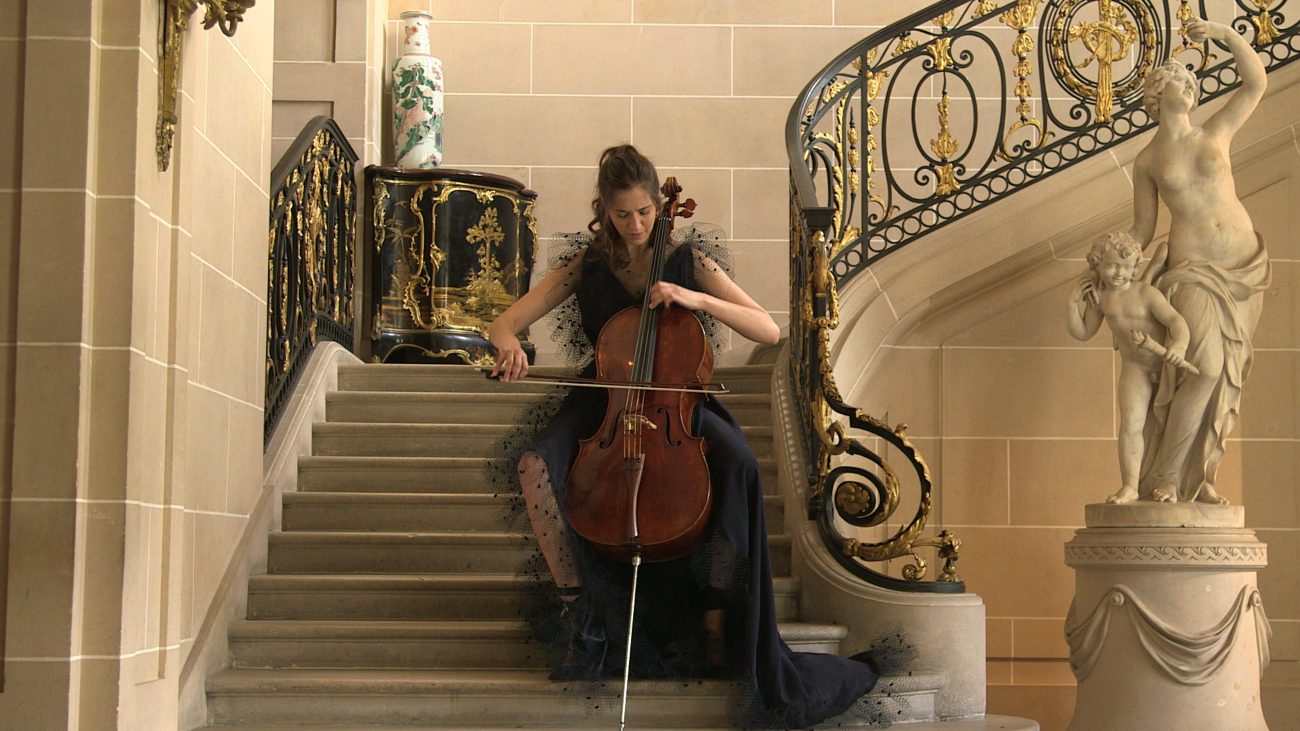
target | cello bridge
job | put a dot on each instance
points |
(632, 421)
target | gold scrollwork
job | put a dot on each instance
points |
(418, 258)
(486, 290)
(227, 14)
(527, 212)
(834, 440)
(478, 356)
(843, 141)
(1185, 14)
(905, 43)
(310, 259)
(1019, 18)
(872, 84)
(941, 51)
(1107, 40)
(945, 146)
(1265, 29)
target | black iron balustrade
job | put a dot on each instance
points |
(927, 121)
(312, 256)
(861, 498)
(967, 101)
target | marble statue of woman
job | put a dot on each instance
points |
(1214, 269)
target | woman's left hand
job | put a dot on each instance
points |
(666, 293)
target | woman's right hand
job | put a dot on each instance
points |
(512, 362)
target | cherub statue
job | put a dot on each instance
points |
(1140, 320)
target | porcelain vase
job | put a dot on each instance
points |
(417, 97)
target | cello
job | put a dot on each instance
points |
(639, 487)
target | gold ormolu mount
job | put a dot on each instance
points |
(174, 20)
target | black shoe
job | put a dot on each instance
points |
(585, 656)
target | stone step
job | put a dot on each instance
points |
(519, 697)
(398, 511)
(419, 474)
(419, 596)
(443, 440)
(982, 723)
(427, 644)
(467, 379)
(456, 407)
(370, 552)
(978, 723)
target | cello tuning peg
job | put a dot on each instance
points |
(687, 208)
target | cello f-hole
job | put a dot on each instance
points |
(668, 426)
(615, 425)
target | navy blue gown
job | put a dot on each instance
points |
(731, 570)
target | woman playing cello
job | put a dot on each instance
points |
(713, 612)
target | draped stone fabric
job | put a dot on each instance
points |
(1222, 307)
(1189, 658)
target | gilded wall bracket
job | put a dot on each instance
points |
(174, 20)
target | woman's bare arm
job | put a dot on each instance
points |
(554, 288)
(1254, 78)
(723, 299)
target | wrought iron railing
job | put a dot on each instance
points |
(892, 141)
(312, 257)
(961, 104)
(862, 498)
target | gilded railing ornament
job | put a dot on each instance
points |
(945, 146)
(1184, 14)
(839, 490)
(905, 43)
(312, 255)
(1265, 30)
(1108, 40)
(175, 20)
(941, 52)
(1020, 18)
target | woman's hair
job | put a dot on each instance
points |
(621, 168)
(1120, 242)
(1155, 84)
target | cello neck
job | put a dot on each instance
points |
(644, 356)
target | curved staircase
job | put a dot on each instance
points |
(391, 594)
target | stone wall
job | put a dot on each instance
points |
(702, 87)
(133, 331)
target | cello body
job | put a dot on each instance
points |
(640, 486)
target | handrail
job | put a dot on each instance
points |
(1073, 74)
(312, 256)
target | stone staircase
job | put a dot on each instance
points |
(392, 592)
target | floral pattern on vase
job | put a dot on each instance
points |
(417, 97)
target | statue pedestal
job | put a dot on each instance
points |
(1167, 630)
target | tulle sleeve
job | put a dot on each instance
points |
(708, 268)
(573, 347)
